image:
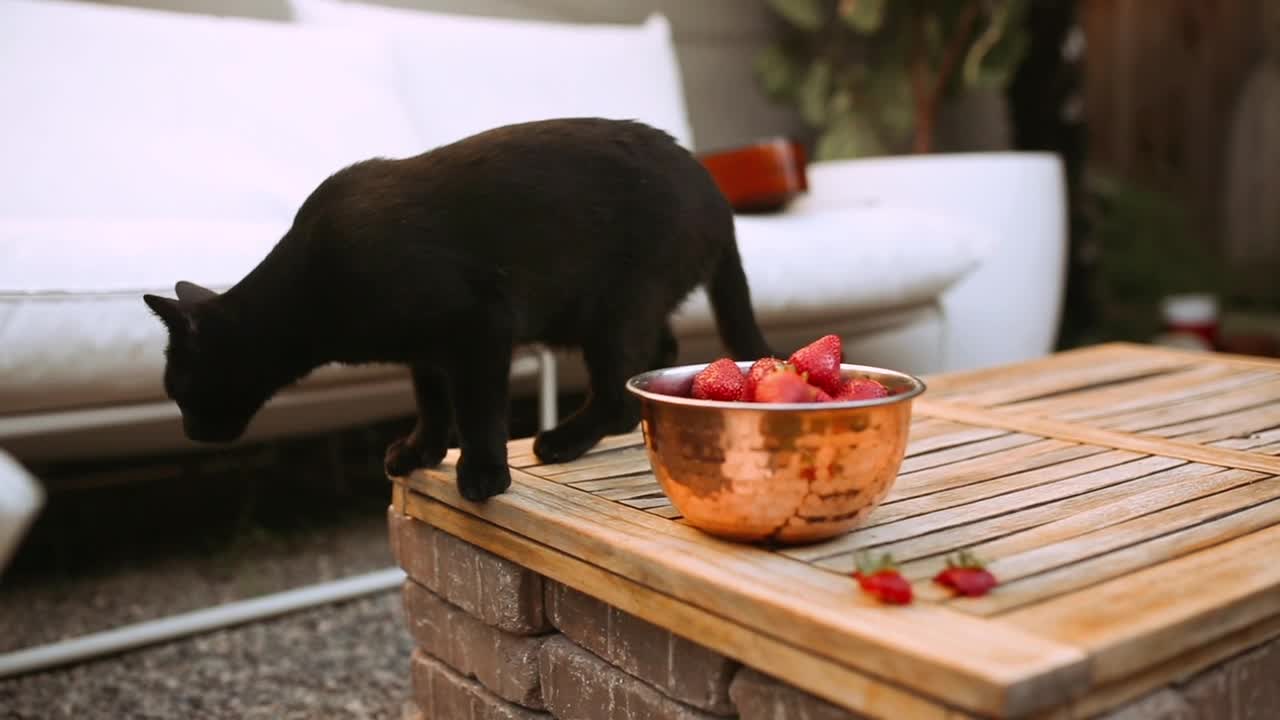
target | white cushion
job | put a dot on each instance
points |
(73, 326)
(804, 266)
(463, 74)
(75, 331)
(116, 112)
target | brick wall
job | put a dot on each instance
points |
(496, 641)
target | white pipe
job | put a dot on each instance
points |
(548, 413)
(94, 645)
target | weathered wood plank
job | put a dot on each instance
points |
(816, 674)
(1078, 494)
(1139, 394)
(1143, 443)
(966, 451)
(1023, 552)
(1011, 674)
(1101, 568)
(1160, 612)
(1176, 670)
(1196, 408)
(1040, 454)
(920, 535)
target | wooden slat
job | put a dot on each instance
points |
(968, 472)
(796, 665)
(640, 480)
(1163, 611)
(520, 452)
(1024, 553)
(1237, 424)
(1257, 442)
(615, 464)
(1097, 436)
(1060, 380)
(1004, 485)
(1074, 548)
(1078, 494)
(1139, 394)
(943, 435)
(1010, 674)
(1196, 408)
(1170, 672)
(913, 537)
(954, 454)
(996, 376)
(1094, 570)
(1245, 362)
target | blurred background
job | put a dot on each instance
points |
(1147, 213)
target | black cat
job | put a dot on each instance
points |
(582, 233)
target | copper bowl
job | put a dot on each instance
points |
(785, 473)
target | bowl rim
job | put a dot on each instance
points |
(633, 386)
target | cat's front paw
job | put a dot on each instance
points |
(404, 456)
(478, 481)
(564, 443)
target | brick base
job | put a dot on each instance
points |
(506, 664)
(443, 694)
(496, 591)
(478, 615)
(681, 669)
(577, 685)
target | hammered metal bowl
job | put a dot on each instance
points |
(784, 473)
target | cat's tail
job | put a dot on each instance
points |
(731, 304)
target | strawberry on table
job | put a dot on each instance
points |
(786, 386)
(967, 575)
(721, 380)
(820, 360)
(861, 389)
(880, 578)
(758, 371)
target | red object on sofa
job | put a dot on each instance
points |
(761, 177)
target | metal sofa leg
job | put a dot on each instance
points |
(548, 413)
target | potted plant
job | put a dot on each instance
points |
(870, 76)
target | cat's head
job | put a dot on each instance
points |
(207, 370)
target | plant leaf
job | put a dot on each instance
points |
(777, 72)
(813, 92)
(804, 14)
(848, 136)
(865, 16)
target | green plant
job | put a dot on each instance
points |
(1142, 249)
(869, 74)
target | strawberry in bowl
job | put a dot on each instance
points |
(775, 450)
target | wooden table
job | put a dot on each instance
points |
(1126, 496)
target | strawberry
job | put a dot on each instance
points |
(721, 380)
(882, 579)
(788, 387)
(861, 389)
(762, 367)
(820, 360)
(967, 575)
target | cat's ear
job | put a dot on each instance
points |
(171, 312)
(189, 292)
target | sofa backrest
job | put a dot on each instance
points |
(462, 74)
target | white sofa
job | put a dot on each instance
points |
(142, 147)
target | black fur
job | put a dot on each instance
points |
(580, 233)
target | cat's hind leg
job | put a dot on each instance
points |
(612, 357)
(427, 443)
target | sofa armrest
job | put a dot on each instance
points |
(1008, 309)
